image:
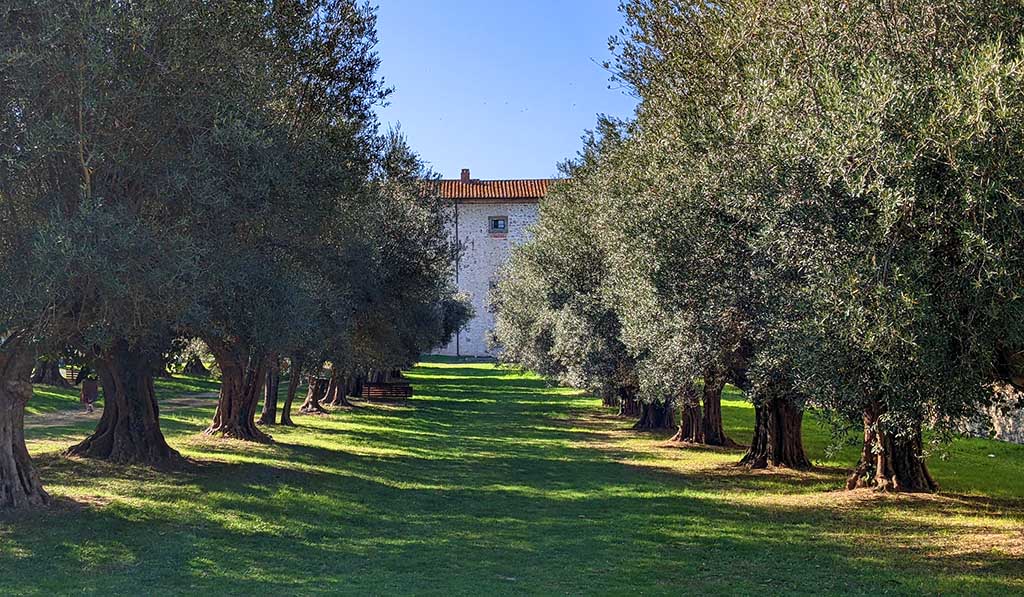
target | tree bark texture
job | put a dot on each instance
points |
(890, 463)
(317, 391)
(129, 429)
(713, 428)
(777, 436)
(243, 375)
(655, 415)
(629, 406)
(691, 428)
(271, 388)
(337, 391)
(294, 377)
(20, 486)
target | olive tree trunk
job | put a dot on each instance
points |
(317, 391)
(712, 427)
(890, 463)
(691, 426)
(129, 429)
(629, 406)
(195, 367)
(243, 375)
(655, 415)
(20, 486)
(48, 373)
(337, 391)
(294, 377)
(273, 383)
(777, 436)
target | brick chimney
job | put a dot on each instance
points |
(465, 175)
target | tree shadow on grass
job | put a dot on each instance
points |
(504, 493)
(363, 522)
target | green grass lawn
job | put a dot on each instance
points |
(489, 483)
(50, 399)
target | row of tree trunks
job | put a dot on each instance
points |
(20, 486)
(129, 429)
(699, 425)
(656, 415)
(777, 436)
(273, 384)
(888, 462)
(243, 375)
(47, 372)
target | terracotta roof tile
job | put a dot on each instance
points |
(494, 189)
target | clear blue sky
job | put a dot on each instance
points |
(505, 88)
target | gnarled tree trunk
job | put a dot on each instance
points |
(890, 463)
(655, 415)
(20, 486)
(713, 429)
(777, 436)
(691, 428)
(316, 393)
(242, 377)
(129, 429)
(273, 384)
(629, 406)
(47, 372)
(294, 376)
(196, 368)
(337, 392)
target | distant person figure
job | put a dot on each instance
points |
(90, 393)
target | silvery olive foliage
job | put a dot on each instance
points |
(821, 197)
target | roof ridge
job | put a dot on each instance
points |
(498, 179)
(508, 189)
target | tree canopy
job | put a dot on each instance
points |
(177, 170)
(822, 206)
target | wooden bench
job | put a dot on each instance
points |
(387, 391)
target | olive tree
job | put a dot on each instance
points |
(97, 173)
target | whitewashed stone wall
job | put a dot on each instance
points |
(997, 423)
(483, 255)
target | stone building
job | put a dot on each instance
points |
(490, 217)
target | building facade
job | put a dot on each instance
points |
(490, 217)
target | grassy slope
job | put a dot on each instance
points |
(490, 482)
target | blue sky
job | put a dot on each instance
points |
(505, 88)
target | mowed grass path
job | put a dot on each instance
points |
(492, 483)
